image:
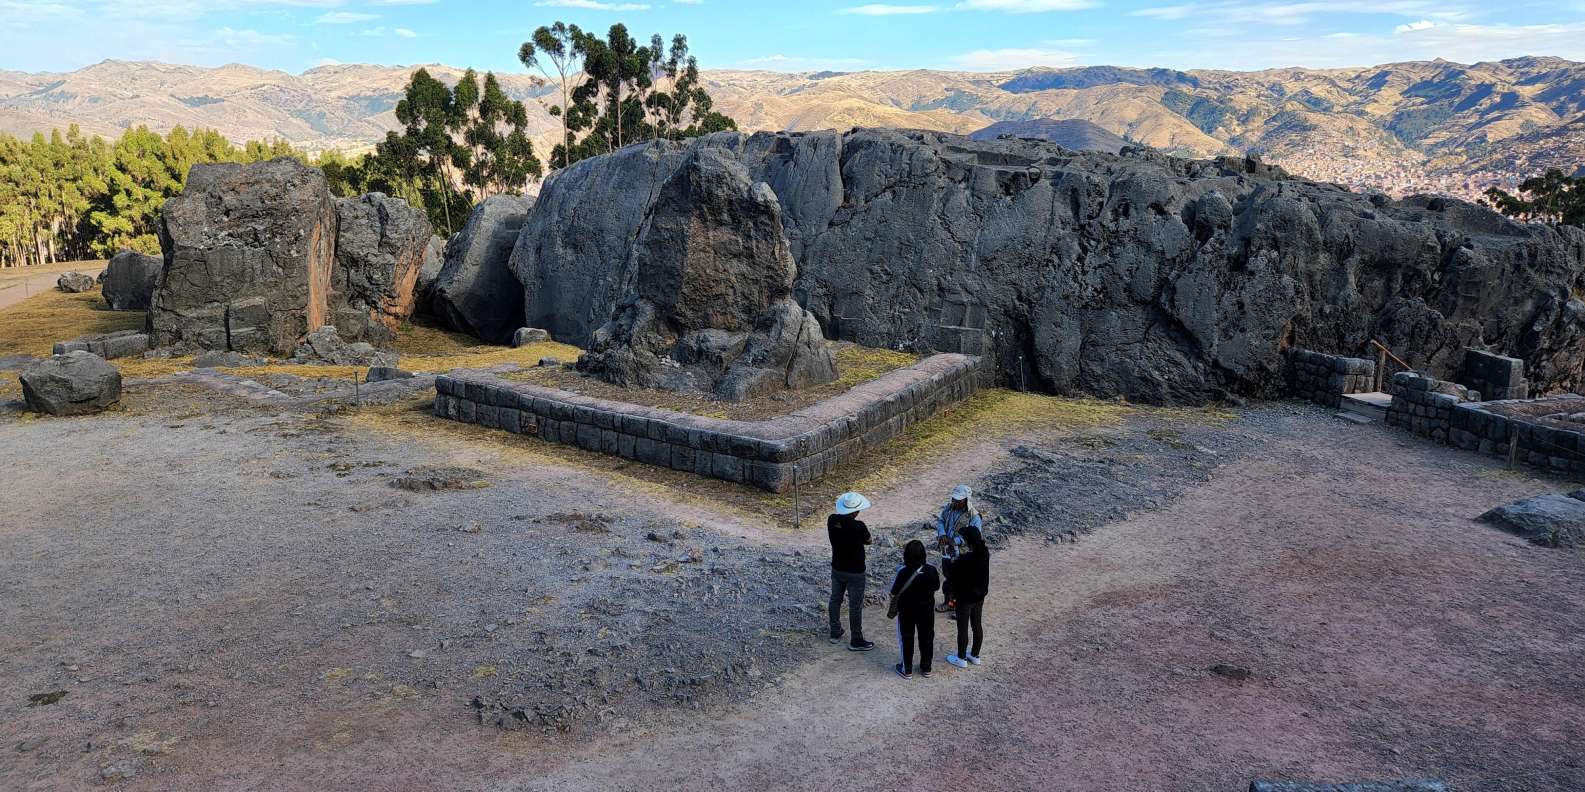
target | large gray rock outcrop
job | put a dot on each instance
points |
(475, 291)
(249, 256)
(434, 262)
(1547, 520)
(129, 279)
(326, 347)
(1142, 275)
(711, 290)
(76, 383)
(381, 245)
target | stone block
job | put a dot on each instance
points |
(588, 437)
(610, 441)
(510, 419)
(626, 446)
(726, 467)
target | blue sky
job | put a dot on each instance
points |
(982, 35)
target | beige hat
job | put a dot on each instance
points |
(961, 492)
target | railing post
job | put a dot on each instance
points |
(1381, 368)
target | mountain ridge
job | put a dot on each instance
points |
(1429, 126)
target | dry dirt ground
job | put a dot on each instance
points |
(233, 599)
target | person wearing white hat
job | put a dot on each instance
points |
(959, 513)
(848, 536)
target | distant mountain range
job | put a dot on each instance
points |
(1419, 126)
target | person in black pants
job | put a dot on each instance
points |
(914, 590)
(971, 581)
(848, 536)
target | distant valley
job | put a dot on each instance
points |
(1407, 127)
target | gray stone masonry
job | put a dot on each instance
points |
(1424, 405)
(807, 444)
(1325, 379)
(1496, 377)
(109, 346)
(1478, 426)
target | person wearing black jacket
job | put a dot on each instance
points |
(914, 590)
(971, 581)
(848, 536)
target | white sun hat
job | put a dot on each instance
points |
(850, 502)
(961, 492)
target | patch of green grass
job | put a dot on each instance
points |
(857, 365)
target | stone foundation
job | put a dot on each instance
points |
(109, 346)
(1326, 379)
(1424, 405)
(1479, 426)
(803, 446)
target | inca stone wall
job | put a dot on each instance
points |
(803, 446)
(1478, 426)
(1424, 405)
(1494, 376)
(1325, 379)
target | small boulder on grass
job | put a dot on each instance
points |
(74, 282)
(76, 383)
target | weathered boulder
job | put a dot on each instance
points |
(1547, 520)
(711, 292)
(386, 374)
(475, 292)
(381, 245)
(74, 282)
(76, 383)
(129, 279)
(325, 347)
(529, 335)
(120, 344)
(434, 261)
(1143, 275)
(249, 255)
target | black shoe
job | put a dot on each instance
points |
(835, 639)
(903, 672)
(861, 646)
(924, 672)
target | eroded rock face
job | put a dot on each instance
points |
(475, 291)
(249, 255)
(710, 307)
(129, 280)
(326, 347)
(434, 261)
(381, 245)
(1141, 275)
(76, 383)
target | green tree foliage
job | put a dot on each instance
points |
(457, 145)
(70, 196)
(1549, 198)
(626, 93)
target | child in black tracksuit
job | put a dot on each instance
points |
(915, 588)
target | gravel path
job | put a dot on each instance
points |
(234, 599)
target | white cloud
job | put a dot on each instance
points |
(689, 2)
(1424, 24)
(344, 18)
(593, 5)
(401, 2)
(1166, 12)
(327, 62)
(799, 63)
(1011, 59)
(1025, 6)
(882, 9)
(405, 33)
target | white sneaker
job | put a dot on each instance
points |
(957, 661)
(972, 659)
